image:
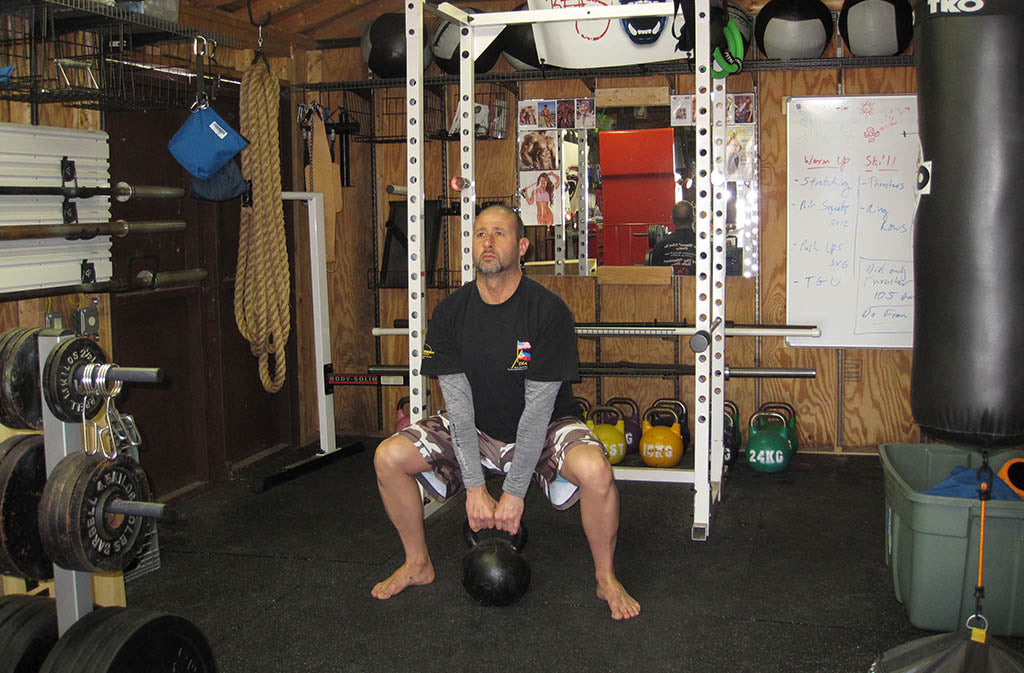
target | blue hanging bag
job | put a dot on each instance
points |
(205, 142)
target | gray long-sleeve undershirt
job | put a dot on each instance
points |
(530, 433)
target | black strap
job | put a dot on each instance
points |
(201, 98)
(685, 38)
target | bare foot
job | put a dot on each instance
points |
(408, 574)
(623, 605)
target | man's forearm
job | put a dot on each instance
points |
(530, 434)
(458, 397)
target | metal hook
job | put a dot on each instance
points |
(195, 45)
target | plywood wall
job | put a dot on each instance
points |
(859, 398)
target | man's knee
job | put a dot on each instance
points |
(589, 467)
(397, 453)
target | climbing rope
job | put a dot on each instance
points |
(262, 283)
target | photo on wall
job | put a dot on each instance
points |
(740, 153)
(538, 150)
(528, 114)
(740, 108)
(586, 117)
(547, 113)
(567, 113)
(683, 110)
(540, 197)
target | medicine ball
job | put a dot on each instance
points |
(520, 47)
(444, 42)
(383, 46)
(743, 22)
(876, 27)
(793, 29)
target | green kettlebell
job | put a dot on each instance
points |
(768, 447)
(790, 413)
(612, 436)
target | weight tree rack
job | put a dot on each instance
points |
(477, 31)
(73, 588)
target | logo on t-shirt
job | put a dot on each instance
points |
(522, 360)
(428, 352)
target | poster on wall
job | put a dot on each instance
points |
(739, 108)
(538, 150)
(541, 194)
(599, 43)
(527, 114)
(683, 110)
(740, 152)
(586, 117)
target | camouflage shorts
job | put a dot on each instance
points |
(432, 436)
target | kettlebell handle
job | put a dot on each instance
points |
(613, 401)
(596, 412)
(661, 410)
(518, 540)
(584, 405)
(731, 408)
(404, 402)
(679, 404)
(790, 413)
(759, 414)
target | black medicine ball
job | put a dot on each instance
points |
(793, 29)
(383, 46)
(444, 42)
(876, 27)
(520, 46)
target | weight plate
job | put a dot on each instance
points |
(28, 635)
(11, 604)
(22, 479)
(54, 504)
(20, 381)
(62, 392)
(7, 416)
(76, 530)
(125, 640)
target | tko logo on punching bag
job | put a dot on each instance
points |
(954, 6)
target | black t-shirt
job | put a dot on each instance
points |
(677, 249)
(531, 335)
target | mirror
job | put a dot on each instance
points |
(563, 173)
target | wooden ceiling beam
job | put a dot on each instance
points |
(262, 8)
(205, 4)
(307, 16)
(276, 41)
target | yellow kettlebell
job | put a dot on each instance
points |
(612, 436)
(660, 445)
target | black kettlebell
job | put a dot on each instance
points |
(494, 571)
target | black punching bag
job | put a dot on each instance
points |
(967, 383)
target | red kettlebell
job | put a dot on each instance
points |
(402, 418)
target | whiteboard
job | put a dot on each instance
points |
(851, 176)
